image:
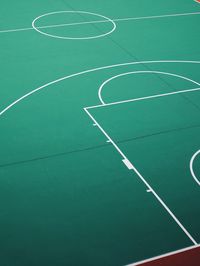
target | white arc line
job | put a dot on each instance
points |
(144, 98)
(140, 72)
(143, 179)
(94, 70)
(192, 167)
(102, 21)
(91, 71)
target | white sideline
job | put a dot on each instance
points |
(124, 158)
(164, 255)
(95, 122)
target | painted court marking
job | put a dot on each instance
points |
(125, 160)
(102, 21)
(133, 168)
(143, 98)
(192, 168)
(17, 101)
(128, 164)
(164, 256)
(91, 71)
(106, 19)
(139, 72)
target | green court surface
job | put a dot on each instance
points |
(100, 126)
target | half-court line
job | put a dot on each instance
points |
(101, 21)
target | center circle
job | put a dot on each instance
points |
(104, 19)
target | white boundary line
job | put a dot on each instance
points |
(143, 98)
(130, 166)
(164, 255)
(140, 72)
(102, 21)
(91, 71)
(133, 168)
(99, 69)
(197, 1)
(191, 167)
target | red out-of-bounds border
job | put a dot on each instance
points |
(198, 1)
(184, 258)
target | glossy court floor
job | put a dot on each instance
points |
(99, 131)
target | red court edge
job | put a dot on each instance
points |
(184, 258)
